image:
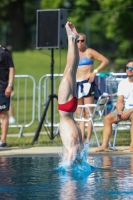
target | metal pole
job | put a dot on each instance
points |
(51, 99)
(52, 91)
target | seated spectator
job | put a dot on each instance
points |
(124, 108)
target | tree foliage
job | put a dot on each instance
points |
(119, 20)
(77, 9)
(17, 17)
(107, 23)
(47, 4)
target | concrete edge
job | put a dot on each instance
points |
(54, 151)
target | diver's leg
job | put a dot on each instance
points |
(67, 88)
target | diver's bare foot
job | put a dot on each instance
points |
(71, 30)
(101, 148)
(131, 147)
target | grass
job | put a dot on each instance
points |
(38, 62)
(25, 141)
(123, 139)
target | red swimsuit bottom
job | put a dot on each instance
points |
(70, 106)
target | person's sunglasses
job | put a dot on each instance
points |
(80, 41)
(129, 68)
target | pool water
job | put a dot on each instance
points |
(40, 178)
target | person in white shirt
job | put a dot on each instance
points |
(124, 108)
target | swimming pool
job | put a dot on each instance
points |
(39, 177)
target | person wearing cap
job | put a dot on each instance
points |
(124, 108)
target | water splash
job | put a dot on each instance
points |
(79, 165)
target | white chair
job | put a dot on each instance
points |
(123, 125)
(97, 115)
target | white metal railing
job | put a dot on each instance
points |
(44, 90)
(23, 101)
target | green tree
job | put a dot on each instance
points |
(108, 23)
(119, 20)
(17, 18)
(12, 18)
(77, 9)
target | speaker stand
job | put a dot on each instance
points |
(50, 99)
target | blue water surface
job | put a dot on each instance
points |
(42, 177)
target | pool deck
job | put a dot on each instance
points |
(45, 151)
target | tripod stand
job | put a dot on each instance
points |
(50, 99)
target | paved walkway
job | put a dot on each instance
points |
(41, 151)
(25, 134)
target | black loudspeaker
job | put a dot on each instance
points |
(50, 28)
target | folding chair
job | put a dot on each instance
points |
(97, 114)
(123, 125)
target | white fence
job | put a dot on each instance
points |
(111, 81)
(44, 90)
(25, 101)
